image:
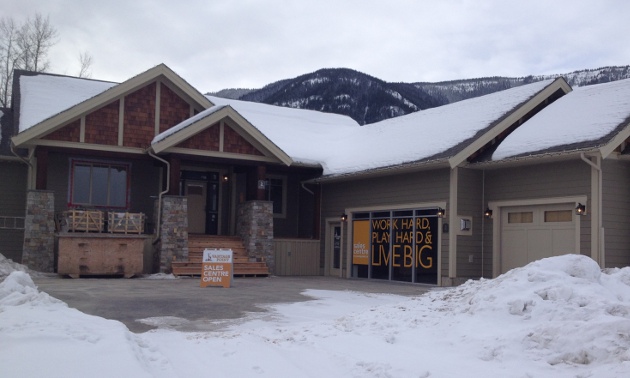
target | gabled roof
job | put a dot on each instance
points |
(209, 117)
(306, 136)
(595, 117)
(442, 136)
(48, 102)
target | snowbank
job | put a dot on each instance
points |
(557, 317)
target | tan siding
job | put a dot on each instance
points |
(563, 179)
(469, 204)
(616, 212)
(12, 204)
(296, 257)
(419, 187)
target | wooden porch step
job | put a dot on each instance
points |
(243, 265)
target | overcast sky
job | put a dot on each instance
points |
(217, 44)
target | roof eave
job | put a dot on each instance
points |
(383, 171)
(513, 117)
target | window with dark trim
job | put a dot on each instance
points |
(275, 191)
(99, 184)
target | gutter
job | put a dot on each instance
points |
(168, 181)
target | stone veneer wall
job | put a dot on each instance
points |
(39, 231)
(173, 243)
(255, 226)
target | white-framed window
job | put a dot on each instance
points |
(276, 191)
(99, 184)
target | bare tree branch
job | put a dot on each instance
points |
(85, 60)
(23, 47)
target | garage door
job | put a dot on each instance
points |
(530, 233)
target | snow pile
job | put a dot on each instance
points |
(7, 266)
(586, 114)
(41, 336)
(557, 317)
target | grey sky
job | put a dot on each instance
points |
(249, 43)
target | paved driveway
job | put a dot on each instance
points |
(127, 300)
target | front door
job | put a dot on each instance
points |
(196, 192)
(333, 249)
(202, 191)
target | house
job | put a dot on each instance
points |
(467, 190)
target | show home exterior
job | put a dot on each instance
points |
(415, 191)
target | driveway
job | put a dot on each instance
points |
(194, 308)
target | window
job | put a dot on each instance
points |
(99, 184)
(559, 216)
(275, 191)
(521, 217)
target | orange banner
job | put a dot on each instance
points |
(360, 242)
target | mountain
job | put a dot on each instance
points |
(368, 99)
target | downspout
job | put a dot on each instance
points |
(483, 218)
(600, 224)
(297, 223)
(168, 181)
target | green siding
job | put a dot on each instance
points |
(144, 182)
(12, 204)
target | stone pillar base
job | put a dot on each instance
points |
(255, 226)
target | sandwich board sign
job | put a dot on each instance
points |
(217, 267)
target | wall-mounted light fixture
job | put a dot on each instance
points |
(225, 178)
(440, 212)
(580, 209)
(487, 213)
(344, 217)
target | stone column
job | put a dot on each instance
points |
(255, 226)
(173, 231)
(39, 231)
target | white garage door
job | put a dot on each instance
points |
(530, 233)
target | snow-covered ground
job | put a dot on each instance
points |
(557, 317)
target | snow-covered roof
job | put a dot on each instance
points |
(43, 96)
(587, 117)
(186, 123)
(307, 136)
(341, 146)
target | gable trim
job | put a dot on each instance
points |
(513, 117)
(615, 142)
(252, 135)
(116, 92)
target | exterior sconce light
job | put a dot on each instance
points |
(344, 217)
(440, 212)
(225, 178)
(580, 209)
(487, 213)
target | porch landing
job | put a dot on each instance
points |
(243, 264)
